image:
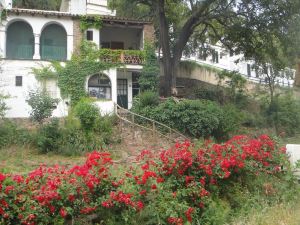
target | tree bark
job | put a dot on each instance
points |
(167, 61)
(171, 60)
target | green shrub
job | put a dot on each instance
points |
(283, 114)
(42, 105)
(195, 118)
(75, 140)
(11, 134)
(210, 93)
(150, 73)
(87, 113)
(48, 137)
(148, 98)
(3, 106)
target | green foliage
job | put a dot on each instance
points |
(12, 134)
(211, 93)
(150, 73)
(87, 22)
(38, 4)
(42, 105)
(194, 117)
(283, 113)
(87, 113)
(44, 73)
(3, 106)
(148, 98)
(73, 74)
(3, 13)
(48, 136)
(70, 138)
(236, 85)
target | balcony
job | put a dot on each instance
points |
(20, 52)
(129, 57)
(58, 53)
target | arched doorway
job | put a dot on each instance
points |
(99, 86)
(19, 41)
(53, 44)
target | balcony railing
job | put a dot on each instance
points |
(131, 57)
(20, 52)
(58, 53)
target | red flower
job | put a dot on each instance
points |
(139, 205)
(153, 187)
(63, 213)
(188, 214)
(143, 192)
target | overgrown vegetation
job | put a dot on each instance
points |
(3, 105)
(83, 130)
(191, 117)
(42, 105)
(38, 4)
(87, 22)
(149, 78)
(72, 75)
(211, 184)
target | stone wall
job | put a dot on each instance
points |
(77, 34)
(149, 33)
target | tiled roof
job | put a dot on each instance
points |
(67, 14)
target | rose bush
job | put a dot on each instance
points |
(174, 186)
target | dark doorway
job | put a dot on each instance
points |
(122, 90)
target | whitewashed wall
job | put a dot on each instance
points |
(18, 107)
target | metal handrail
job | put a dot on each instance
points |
(154, 124)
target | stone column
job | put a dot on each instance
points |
(96, 37)
(2, 42)
(70, 46)
(37, 54)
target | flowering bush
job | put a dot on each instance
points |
(175, 186)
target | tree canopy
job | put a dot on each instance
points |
(263, 30)
(37, 4)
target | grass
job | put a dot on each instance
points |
(282, 214)
(21, 160)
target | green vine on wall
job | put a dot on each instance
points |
(3, 15)
(87, 22)
(72, 75)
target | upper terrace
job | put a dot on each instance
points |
(50, 35)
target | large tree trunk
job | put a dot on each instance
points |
(172, 59)
(297, 76)
(166, 85)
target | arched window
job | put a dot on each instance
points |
(53, 44)
(99, 86)
(19, 41)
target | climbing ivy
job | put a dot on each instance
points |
(150, 74)
(3, 14)
(87, 22)
(89, 60)
(72, 75)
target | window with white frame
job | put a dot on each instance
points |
(99, 86)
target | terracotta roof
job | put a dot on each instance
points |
(67, 14)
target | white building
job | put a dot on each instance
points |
(223, 59)
(32, 38)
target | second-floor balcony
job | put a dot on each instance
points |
(57, 53)
(130, 57)
(20, 52)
